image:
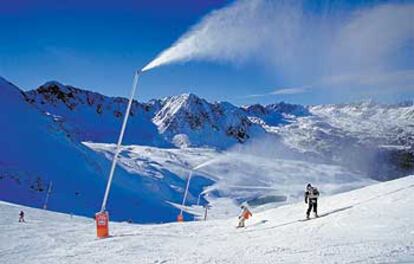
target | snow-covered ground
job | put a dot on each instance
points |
(235, 176)
(369, 225)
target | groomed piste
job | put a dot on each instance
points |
(369, 225)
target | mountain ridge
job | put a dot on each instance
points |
(193, 112)
(331, 133)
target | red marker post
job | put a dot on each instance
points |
(102, 224)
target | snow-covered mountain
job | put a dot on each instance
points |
(376, 139)
(36, 151)
(255, 153)
(183, 121)
(188, 120)
(369, 225)
(276, 114)
(90, 116)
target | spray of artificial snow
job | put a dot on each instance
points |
(330, 47)
(231, 34)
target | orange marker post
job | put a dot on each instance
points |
(102, 224)
(180, 218)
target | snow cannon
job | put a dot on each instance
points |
(102, 224)
(102, 217)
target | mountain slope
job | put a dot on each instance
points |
(369, 225)
(90, 116)
(37, 151)
(184, 120)
(234, 176)
(383, 135)
(188, 120)
(375, 139)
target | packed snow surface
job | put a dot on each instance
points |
(369, 225)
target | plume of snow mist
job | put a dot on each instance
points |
(233, 33)
(301, 46)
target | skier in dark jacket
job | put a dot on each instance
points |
(21, 217)
(311, 198)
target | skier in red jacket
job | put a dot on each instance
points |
(244, 215)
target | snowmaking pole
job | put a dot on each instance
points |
(49, 191)
(102, 217)
(180, 217)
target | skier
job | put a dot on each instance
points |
(311, 198)
(21, 217)
(244, 215)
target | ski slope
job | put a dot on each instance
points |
(369, 225)
(232, 177)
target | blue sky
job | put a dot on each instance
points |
(96, 45)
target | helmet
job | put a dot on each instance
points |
(308, 186)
